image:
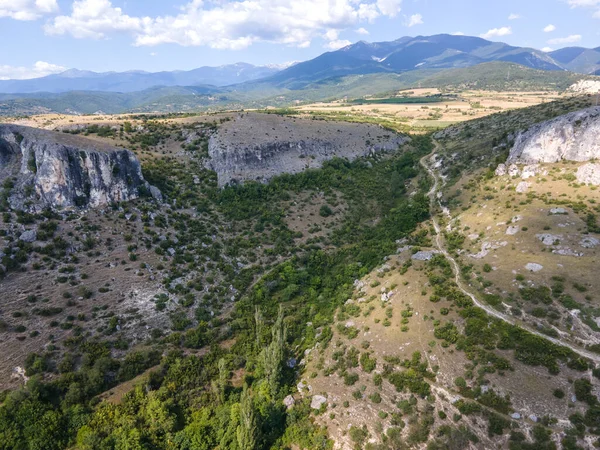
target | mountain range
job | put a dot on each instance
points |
(414, 53)
(406, 54)
(132, 81)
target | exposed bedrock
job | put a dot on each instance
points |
(58, 170)
(260, 146)
(572, 137)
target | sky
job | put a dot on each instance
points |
(41, 37)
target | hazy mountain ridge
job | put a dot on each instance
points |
(132, 81)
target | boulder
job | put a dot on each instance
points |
(289, 402)
(558, 212)
(589, 242)
(523, 187)
(513, 229)
(423, 255)
(549, 239)
(534, 267)
(28, 236)
(318, 401)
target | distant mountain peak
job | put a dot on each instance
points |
(437, 52)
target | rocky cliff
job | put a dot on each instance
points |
(57, 170)
(572, 137)
(261, 146)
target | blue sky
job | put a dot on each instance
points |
(46, 36)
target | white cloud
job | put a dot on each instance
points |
(225, 23)
(415, 19)
(458, 33)
(27, 9)
(337, 44)
(549, 28)
(362, 31)
(93, 19)
(389, 8)
(586, 4)
(547, 49)
(332, 35)
(576, 3)
(514, 16)
(497, 32)
(39, 69)
(565, 40)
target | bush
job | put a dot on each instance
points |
(325, 211)
(367, 363)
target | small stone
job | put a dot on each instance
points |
(515, 416)
(501, 170)
(533, 418)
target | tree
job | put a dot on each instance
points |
(259, 325)
(247, 429)
(220, 384)
(272, 356)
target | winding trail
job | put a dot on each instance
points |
(426, 162)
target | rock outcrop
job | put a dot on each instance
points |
(589, 174)
(261, 146)
(57, 170)
(572, 137)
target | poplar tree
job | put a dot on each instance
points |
(247, 429)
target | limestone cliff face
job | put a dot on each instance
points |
(64, 171)
(572, 137)
(261, 146)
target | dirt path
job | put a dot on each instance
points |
(432, 194)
